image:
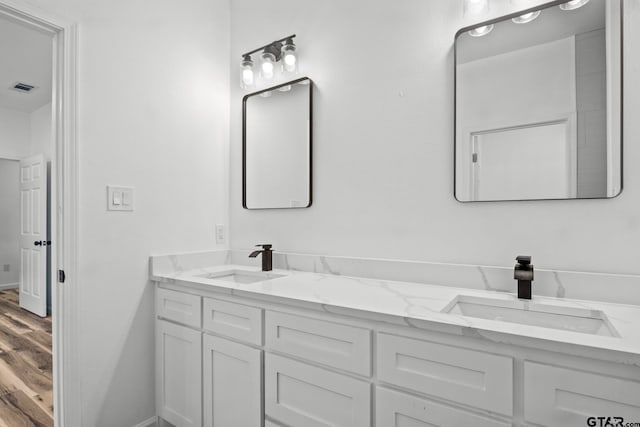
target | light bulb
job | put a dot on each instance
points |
(267, 70)
(573, 4)
(481, 31)
(527, 17)
(290, 61)
(475, 7)
(247, 77)
(268, 65)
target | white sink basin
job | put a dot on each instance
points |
(242, 276)
(574, 319)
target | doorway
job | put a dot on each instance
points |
(26, 141)
(57, 249)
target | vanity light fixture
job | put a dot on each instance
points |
(573, 4)
(525, 18)
(277, 59)
(481, 31)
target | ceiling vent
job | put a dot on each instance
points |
(23, 87)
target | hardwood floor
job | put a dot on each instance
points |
(26, 377)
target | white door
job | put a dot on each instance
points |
(33, 235)
(232, 384)
(531, 162)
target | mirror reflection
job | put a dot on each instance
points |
(277, 147)
(538, 105)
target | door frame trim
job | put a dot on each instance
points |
(64, 202)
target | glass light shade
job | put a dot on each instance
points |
(573, 4)
(268, 66)
(289, 58)
(527, 17)
(247, 74)
(481, 31)
(475, 7)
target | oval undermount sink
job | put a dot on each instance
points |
(574, 319)
(242, 276)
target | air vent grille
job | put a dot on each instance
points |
(23, 87)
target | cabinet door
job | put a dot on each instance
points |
(178, 374)
(298, 394)
(232, 384)
(395, 409)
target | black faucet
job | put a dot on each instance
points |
(267, 258)
(523, 273)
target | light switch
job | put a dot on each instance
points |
(119, 198)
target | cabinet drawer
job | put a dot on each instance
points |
(333, 344)
(559, 396)
(301, 395)
(395, 409)
(179, 307)
(233, 320)
(465, 376)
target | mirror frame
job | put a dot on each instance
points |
(455, 99)
(244, 142)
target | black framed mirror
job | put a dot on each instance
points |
(277, 128)
(538, 104)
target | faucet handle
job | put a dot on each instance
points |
(523, 260)
(266, 247)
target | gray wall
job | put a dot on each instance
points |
(9, 222)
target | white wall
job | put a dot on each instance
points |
(153, 114)
(14, 133)
(40, 131)
(9, 222)
(383, 146)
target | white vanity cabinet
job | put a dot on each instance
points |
(226, 361)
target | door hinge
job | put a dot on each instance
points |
(474, 158)
(61, 276)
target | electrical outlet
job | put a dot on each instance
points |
(221, 234)
(6, 267)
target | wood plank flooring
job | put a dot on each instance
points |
(26, 378)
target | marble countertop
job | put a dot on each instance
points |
(418, 304)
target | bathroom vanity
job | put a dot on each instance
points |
(236, 346)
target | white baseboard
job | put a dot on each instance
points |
(4, 287)
(151, 422)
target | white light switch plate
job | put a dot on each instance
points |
(119, 198)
